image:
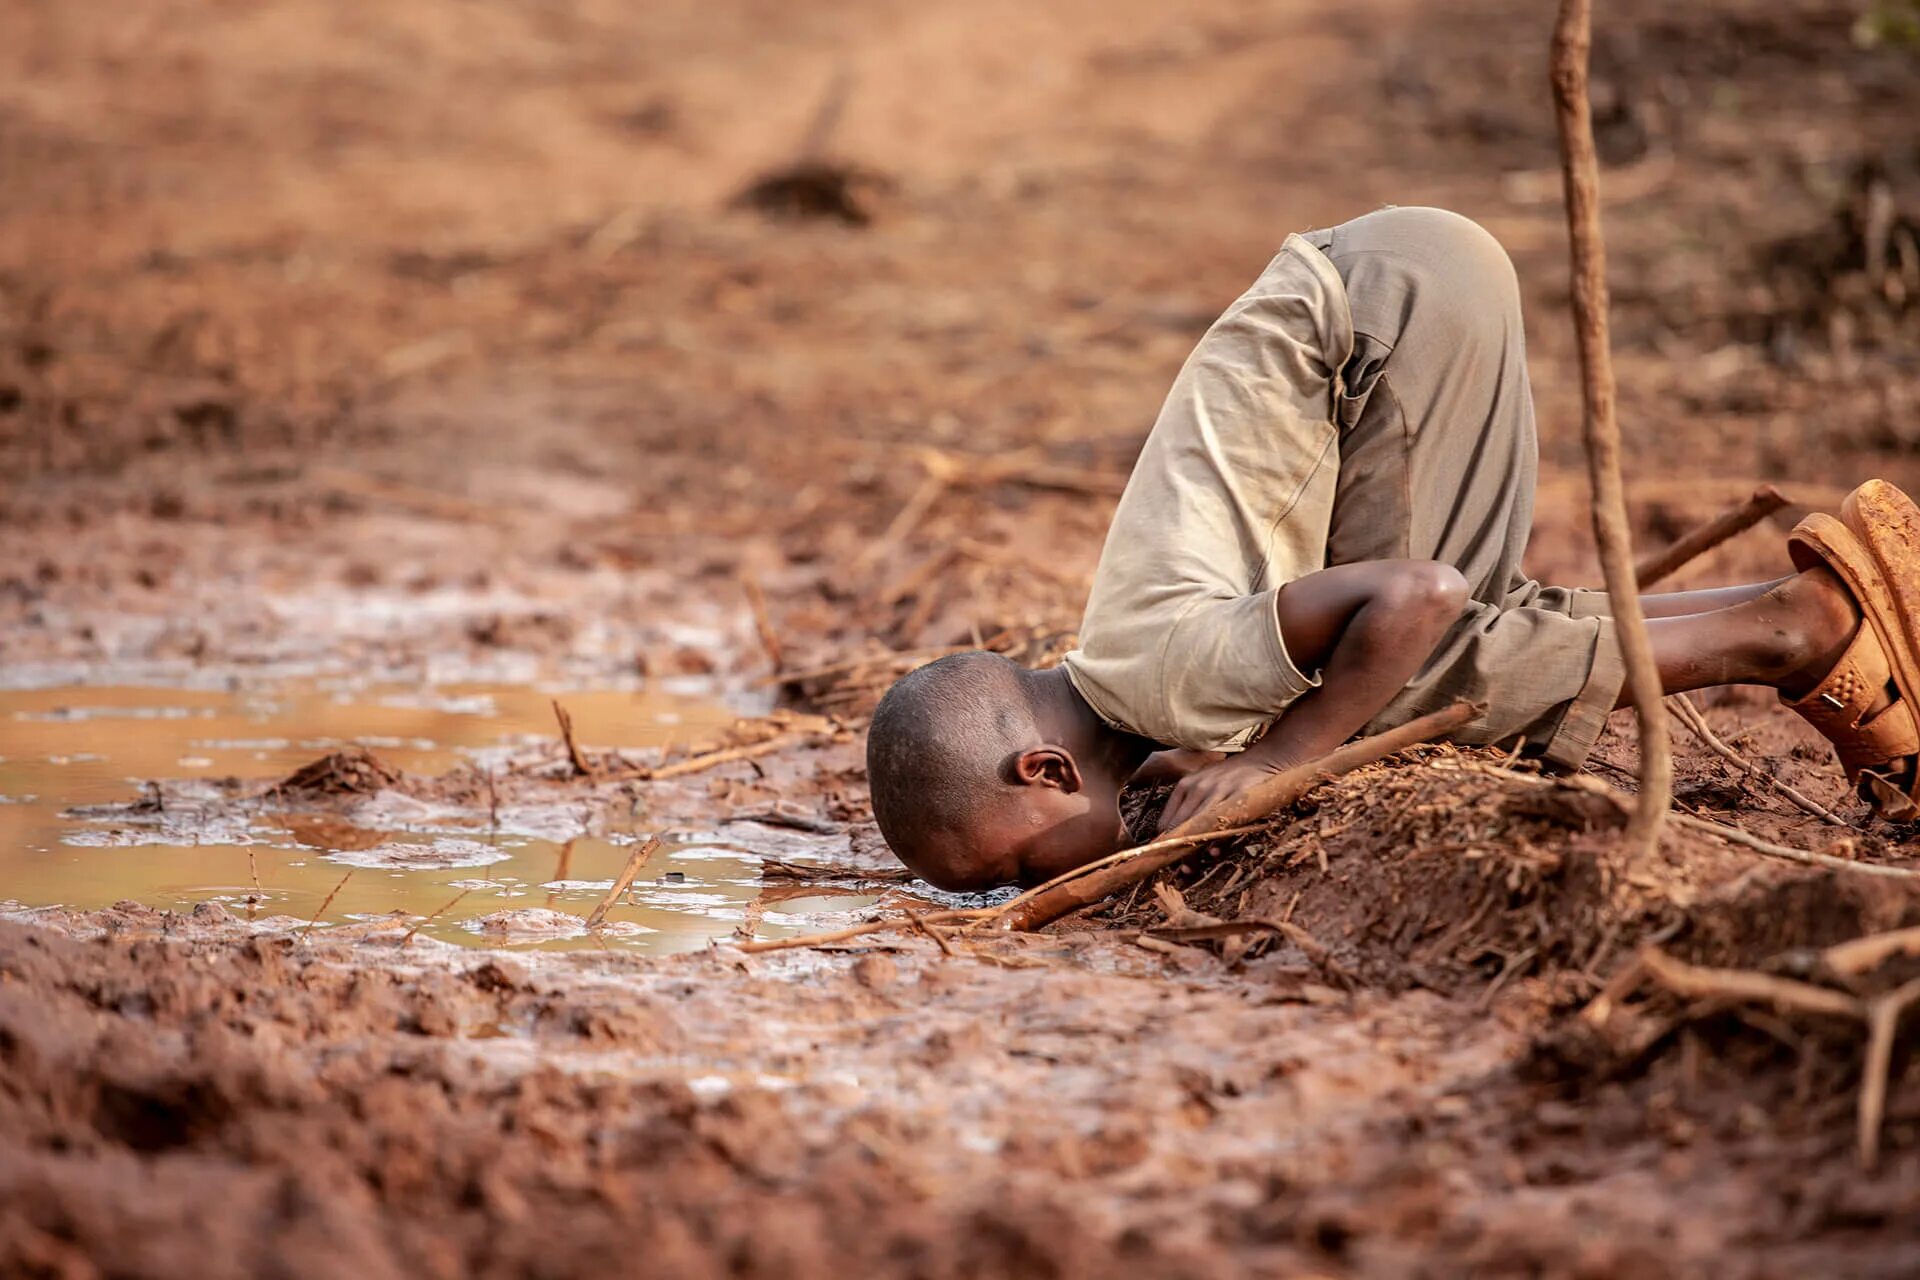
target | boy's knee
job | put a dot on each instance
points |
(1431, 590)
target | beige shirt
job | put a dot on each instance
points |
(1231, 500)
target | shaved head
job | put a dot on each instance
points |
(938, 754)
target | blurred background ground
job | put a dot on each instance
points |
(296, 297)
(572, 317)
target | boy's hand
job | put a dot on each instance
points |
(1206, 787)
(1368, 627)
(1173, 764)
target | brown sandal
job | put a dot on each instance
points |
(1874, 548)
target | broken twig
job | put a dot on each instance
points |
(324, 904)
(713, 759)
(1691, 716)
(1703, 538)
(762, 623)
(1697, 982)
(1883, 1023)
(895, 660)
(579, 761)
(1881, 1014)
(1152, 848)
(424, 921)
(635, 860)
(1860, 955)
(1087, 885)
(939, 939)
(861, 930)
(1791, 854)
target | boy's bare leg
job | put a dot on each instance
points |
(1678, 604)
(1786, 635)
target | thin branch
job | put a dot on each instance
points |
(713, 759)
(1088, 885)
(1572, 42)
(1120, 858)
(1860, 955)
(1692, 717)
(862, 930)
(763, 622)
(1883, 1023)
(1804, 856)
(1698, 982)
(1703, 538)
(939, 939)
(427, 920)
(324, 904)
(579, 761)
(635, 860)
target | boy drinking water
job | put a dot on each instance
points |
(1323, 535)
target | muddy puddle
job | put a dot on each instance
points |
(82, 824)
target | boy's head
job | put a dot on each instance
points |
(985, 773)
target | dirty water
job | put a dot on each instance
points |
(73, 759)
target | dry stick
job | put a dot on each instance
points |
(911, 582)
(324, 904)
(697, 764)
(1882, 1015)
(826, 116)
(258, 895)
(427, 920)
(635, 861)
(987, 553)
(762, 623)
(1705, 537)
(428, 502)
(1592, 785)
(1692, 717)
(1618, 988)
(1249, 806)
(1883, 1022)
(1858, 955)
(1026, 466)
(939, 939)
(861, 930)
(1572, 42)
(1124, 856)
(904, 523)
(579, 761)
(1791, 854)
(1696, 982)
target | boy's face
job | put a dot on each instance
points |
(1053, 828)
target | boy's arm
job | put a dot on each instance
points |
(1368, 627)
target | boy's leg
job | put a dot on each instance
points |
(1438, 461)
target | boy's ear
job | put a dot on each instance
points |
(1047, 766)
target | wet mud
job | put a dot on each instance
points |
(371, 381)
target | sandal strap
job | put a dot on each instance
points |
(1840, 704)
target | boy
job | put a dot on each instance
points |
(1341, 483)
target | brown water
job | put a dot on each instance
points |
(64, 749)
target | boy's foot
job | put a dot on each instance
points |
(1865, 704)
